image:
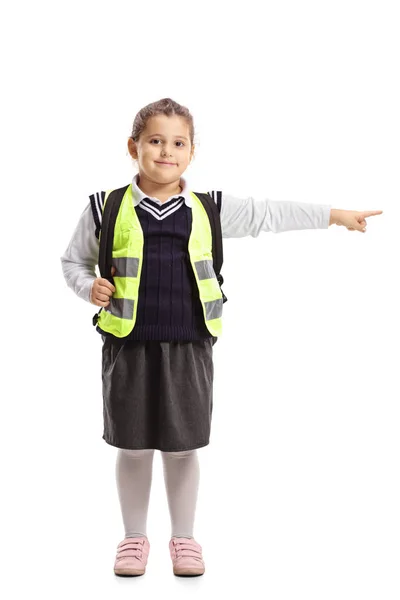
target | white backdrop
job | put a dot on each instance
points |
(299, 487)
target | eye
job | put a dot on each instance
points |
(158, 140)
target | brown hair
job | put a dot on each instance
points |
(167, 107)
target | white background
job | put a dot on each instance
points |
(299, 492)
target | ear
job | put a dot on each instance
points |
(192, 153)
(132, 148)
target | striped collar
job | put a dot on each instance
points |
(138, 195)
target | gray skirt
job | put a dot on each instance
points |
(157, 394)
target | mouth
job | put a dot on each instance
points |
(166, 164)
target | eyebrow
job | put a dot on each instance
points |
(161, 135)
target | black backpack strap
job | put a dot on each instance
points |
(109, 217)
(216, 195)
(213, 212)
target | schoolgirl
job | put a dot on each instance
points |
(160, 317)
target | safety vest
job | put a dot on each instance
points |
(119, 317)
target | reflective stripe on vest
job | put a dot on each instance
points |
(119, 317)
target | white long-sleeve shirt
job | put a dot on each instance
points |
(240, 217)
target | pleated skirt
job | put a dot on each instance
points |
(157, 394)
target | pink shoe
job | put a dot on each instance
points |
(186, 557)
(132, 555)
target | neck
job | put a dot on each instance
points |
(162, 191)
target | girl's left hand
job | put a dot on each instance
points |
(353, 220)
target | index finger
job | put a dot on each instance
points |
(370, 213)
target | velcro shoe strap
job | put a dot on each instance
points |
(188, 546)
(130, 543)
(189, 553)
(130, 552)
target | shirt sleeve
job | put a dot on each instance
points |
(82, 255)
(241, 217)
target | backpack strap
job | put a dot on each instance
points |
(213, 212)
(109, 217)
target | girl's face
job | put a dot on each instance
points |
(164, 139)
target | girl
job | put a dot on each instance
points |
(160, 320)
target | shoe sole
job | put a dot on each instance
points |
(128, 572)
(189, 573)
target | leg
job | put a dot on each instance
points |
(181, 475)
(134, 470)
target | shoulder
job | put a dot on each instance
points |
(216, 195)
(97, 205)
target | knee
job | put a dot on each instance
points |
(181, 454)
(136, 453)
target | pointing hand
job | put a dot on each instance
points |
(353, 220)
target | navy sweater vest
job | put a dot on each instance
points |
(169, 307)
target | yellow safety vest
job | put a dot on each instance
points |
(119, 317)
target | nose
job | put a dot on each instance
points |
(166, 151)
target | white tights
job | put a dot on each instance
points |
(134, 475)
